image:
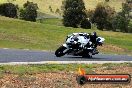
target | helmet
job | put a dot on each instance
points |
(94, 34)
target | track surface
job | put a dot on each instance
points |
(13, 55)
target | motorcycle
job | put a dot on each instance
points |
(78, 46)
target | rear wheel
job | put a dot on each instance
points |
(60, 51)
(87, 56)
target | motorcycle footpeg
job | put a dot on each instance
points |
(95, 53)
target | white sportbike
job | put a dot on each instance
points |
(78, 44)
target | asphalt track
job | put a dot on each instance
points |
(14, 55)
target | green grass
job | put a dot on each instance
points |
(22, 69)
(53, 21)
(49, 36)
(121, 42)
(30, 69)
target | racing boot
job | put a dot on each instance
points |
(95, 51)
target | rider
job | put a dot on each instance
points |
(93, 38)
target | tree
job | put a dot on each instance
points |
(51, 10)
(110, 15)
(29, 13)
(8, 10)
(122, 20)
(73, 13)
(100, 16)
(125, 8)
(89, 14)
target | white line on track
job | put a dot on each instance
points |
(64, 62)
(5, 48)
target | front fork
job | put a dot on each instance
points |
(67, 48)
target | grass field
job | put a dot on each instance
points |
(34, 68)
(20, 34)
(44, 4)
(53, 21)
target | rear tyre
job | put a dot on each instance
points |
(87, 56)
(59, 52)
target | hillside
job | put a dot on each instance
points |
(20, 34)
(44, 4)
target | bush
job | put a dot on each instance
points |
(8, 10)
(58, 11)
(29, 13)
(51, 10)
(86, 24)
(107, 0)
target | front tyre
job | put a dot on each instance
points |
(60, 51)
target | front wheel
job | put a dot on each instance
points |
(60, 51)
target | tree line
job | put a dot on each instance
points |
(75, 15)
(28, 12)
(104, 17)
